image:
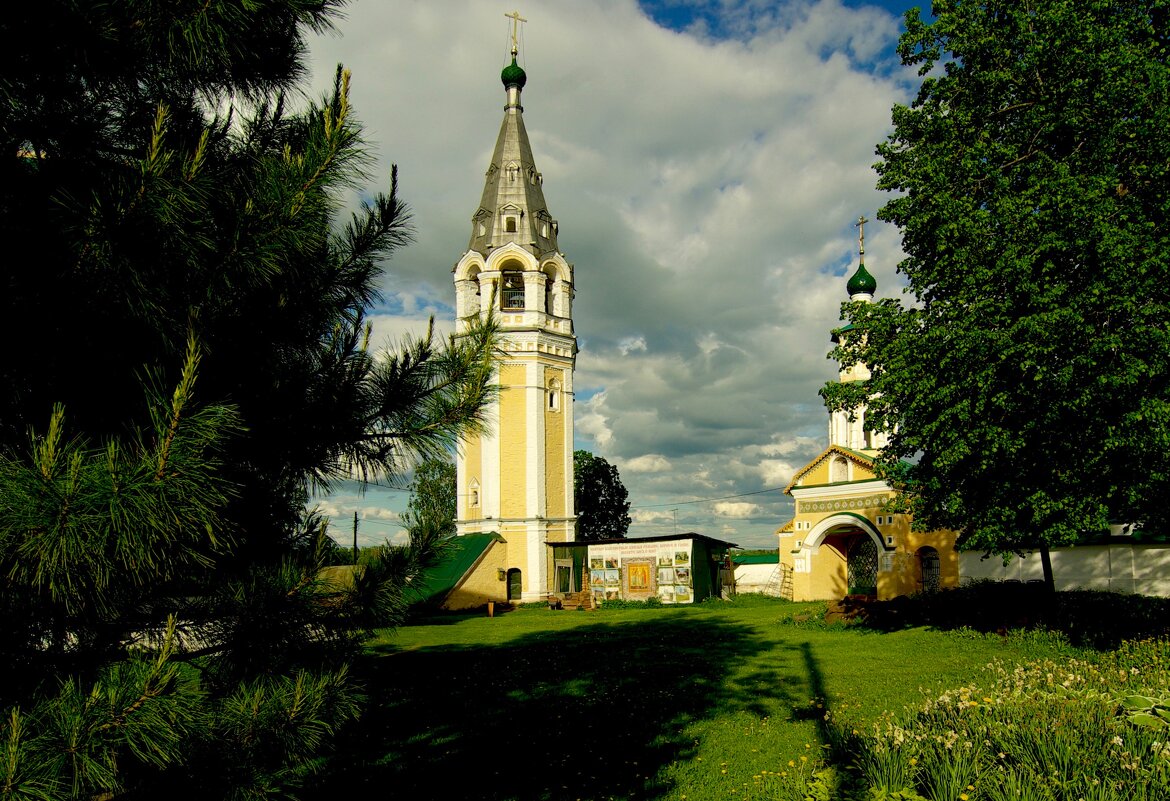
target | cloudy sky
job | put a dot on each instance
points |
(706, 160)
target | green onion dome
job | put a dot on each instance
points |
(513, 74)
(862, 283)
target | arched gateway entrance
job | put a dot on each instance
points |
(843, 554)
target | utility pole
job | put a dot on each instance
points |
(355, 548)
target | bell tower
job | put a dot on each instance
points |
(843, 431)
(516, 479)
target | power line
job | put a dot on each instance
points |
(378, 522)
(707, 500)
(367, 483)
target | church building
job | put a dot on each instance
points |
(842, 540)
(515, 480)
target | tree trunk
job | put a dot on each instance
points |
(1046, 562)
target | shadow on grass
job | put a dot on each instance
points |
(589, 713)
(821, 701)
(1089, 618)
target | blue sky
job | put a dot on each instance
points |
(737, 19)
(706, 162)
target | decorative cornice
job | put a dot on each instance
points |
(841, 504)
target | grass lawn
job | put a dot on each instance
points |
(690, 702)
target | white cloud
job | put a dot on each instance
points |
(648, 463)
(630, 344)
(380, 513)
(705, 187)
(736, 509)
(651, 516)
(776, 472)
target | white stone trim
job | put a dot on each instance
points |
(534, 440)
(569, 402)
(537, 563)
(818, 491)
(812, 542)
(511, 252)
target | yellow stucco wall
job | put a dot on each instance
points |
(516, 536)
(818, 472)
(483, 584)
(513, 441)
(554, 449)
(559, 532)
(943, 541)
(826, 578)
(823, 575)
(473, 465)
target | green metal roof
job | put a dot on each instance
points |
(755, 558)
(689, 535)
(461, 555)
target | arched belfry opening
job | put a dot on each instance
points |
(512, 289)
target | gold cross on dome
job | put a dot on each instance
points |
(861, 221)
(516, 20)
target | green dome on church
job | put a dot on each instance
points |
(862, 283)
(513, 74)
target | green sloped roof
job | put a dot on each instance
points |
(755, 558)
(461, 555)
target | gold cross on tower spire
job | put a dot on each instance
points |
(516, 20)
(861, 221)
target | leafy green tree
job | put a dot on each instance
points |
(1024, 383)
(432, 496)
(164, 617)
(600, 498)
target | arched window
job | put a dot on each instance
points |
(473, 494)
(838, 469)
(473, 298)
(550, 286)
(554, 395)
(512, 294)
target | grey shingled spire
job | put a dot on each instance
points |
(512, 208)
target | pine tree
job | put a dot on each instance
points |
(165, 619)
